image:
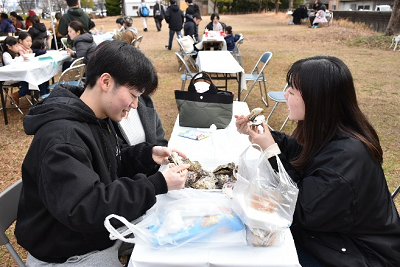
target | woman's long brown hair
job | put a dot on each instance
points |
(331, 107)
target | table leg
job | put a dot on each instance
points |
(239, 85)
(3, 104)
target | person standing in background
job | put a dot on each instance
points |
(174, 17)
(144, 12)
(28, 23)
(74, 13)
(158, 10)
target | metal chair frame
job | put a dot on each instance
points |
(9, 200)
(236, 52)
(188, 55)
(257, 76)
(278, 97)
(137, 41)
(187, 74)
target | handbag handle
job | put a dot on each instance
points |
(204, 78)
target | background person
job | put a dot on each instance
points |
(6, 25)
(320, 17)
(38, 29)
(130, 32)
(83, 43)
(344, 214)
(215, 24)
(230, 39)
(158, 10)
(25, 43)
(28, 22)
(76, 172)
(174, 17)
(18, 22)
(190, 28)
(143, 15)
(74, 13)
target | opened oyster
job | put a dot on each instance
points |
(199, 178)
(255, 117)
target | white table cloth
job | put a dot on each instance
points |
(220, 62)
(223, 146)
(99, 38)
(35, 71)
(212, 39)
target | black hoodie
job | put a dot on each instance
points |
(38, 31)
(75, 174)
(174, 17)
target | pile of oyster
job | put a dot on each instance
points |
(198, 178)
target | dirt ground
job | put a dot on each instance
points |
(375, 69)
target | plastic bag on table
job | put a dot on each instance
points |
(264, 200)
(208, 220)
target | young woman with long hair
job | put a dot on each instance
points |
(344, 213)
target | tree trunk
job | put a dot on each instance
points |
(277, 6)
(394, 19)
(290, 5)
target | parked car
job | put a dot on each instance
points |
(383, 8)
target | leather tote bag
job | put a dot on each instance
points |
(203, 104)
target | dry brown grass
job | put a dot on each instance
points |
(374, 67)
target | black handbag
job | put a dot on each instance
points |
(201, 110)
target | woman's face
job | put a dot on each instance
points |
(295, 104)
(215, 20)
(72, 33)
(27, 42)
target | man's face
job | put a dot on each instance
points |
(197, 21)
(119, 100)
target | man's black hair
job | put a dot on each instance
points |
(126, 64)
(72, 3)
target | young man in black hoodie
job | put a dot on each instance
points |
(174, 17)
(76, 172)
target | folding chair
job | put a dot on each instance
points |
(64, 42)
(278, 97)
(138, 42)
(9, 200)
(395, 192)
(189, 55)
(187, 74)
(257, 76)
(73, 75)
(236, 53)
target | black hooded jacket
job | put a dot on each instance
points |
(38, 31)
(75, 174)
(344, 213)
(174, 17)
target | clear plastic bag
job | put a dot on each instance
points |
(263, 199)
(192, 216)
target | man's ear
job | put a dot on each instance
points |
(106, 82)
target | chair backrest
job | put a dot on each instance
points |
(396, 192)
(9, 200)
(238, 43)
(264, 59)
(182, 61)
(134, 42)
(77, 61)
(64, 42)
(74, 73)
(138, 41)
